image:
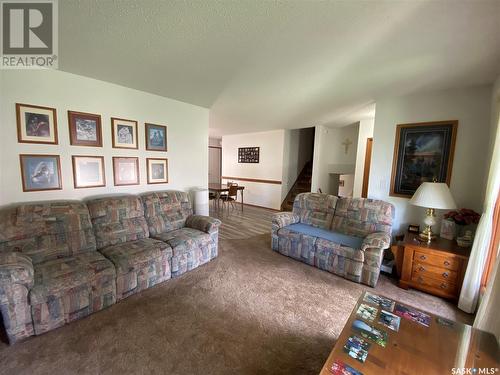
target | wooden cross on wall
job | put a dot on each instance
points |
(346, 144)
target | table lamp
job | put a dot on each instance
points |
(432, 195)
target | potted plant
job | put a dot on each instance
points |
(457, 222)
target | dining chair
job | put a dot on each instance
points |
(231, 195)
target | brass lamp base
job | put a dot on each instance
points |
(429, 222)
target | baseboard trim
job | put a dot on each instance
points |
(264, 207)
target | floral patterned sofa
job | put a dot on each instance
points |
(344, 236)
(63, 260)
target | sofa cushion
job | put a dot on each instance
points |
(117, 220)
(361, 216)
(47, 230)
(184, 239)
(315, 209)
(128, 256)
(339, 238)
(166, 211)
(72, 275)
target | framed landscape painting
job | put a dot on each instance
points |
(157, 170)
(88, 171)
(126, 171)
(40, 172)
(84, 129)
(36, 124)
(156, 137)
(423, 152)
(124, 133)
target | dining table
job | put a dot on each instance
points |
(219, 188)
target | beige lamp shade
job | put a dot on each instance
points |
(433, 195)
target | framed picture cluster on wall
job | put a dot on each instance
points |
(38, 125)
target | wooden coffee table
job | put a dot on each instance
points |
(416, 349)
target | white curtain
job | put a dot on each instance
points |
(472, 282)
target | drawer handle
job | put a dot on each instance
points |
(443, 286)
(421, 269)
(446, 274)
(423, 257)
(446, 263)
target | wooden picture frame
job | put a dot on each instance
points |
(423, 152)
(36, 124)
(40, 172)
(83, 179)
(156, 137)
(124, 133)
(124, 173)
(157, 170)
(84, 129)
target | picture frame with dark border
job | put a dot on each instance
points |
(85, 129)
(248, 154)
(40, 172)
(36, 124)
(78, 173)
(423, 152)
(124, 133)
(157, 141)
(119, 170)
(156, 175)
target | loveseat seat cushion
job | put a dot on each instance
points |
(338, 259)
(69, 288)
(129, 256)
(339, 238)
(191, 248)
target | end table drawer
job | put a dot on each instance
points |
(439, 273)
(437, 260)
(442, 286)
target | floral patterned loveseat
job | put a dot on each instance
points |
(344, 236)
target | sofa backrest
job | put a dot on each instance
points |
(166, 211)
(117, 220)
(315, 209)
(362, 216)
(47, 230)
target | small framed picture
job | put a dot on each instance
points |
(156, 137)
(126, 171)
(84, 129)
(40, 172)
(124, 133)
(157, 170)
(88, 171)
(36, 124)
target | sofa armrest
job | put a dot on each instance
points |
(16, 268)
(206, 224)
(282, 219)
(377, 240)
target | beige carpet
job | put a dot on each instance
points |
(250, 311)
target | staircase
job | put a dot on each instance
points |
(302, 185)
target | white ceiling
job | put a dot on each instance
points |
(261, 65)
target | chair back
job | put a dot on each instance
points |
(233, 191)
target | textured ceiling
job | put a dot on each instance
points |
(262, 65)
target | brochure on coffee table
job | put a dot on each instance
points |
(389, 320)
(367, 312)
(357, 348)
(413, 314)
(341, 368)
(370, 332)
(383, 302)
